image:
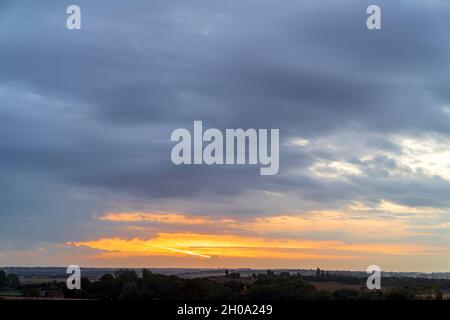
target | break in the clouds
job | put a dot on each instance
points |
(364, 117)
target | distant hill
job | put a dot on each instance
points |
(189, 273)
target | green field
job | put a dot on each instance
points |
(11, 293)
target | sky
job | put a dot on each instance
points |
(86, 118)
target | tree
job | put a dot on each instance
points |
(104, 288)
(129, 292)
(2, 279)
(439, 295)
(318, 273)
(12, 281)
(281, 287)
(126, 276)
(235, 275)
(146, 274)
(159, 287)
(107, 278)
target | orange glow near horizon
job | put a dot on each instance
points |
(211, 245)
(358, 232)
(360, 226)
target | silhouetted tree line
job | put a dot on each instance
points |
(401, 287)
(322, 275)
(8, 281)
(127, 285)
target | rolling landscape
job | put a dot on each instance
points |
(49, 283)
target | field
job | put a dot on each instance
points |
(31, 280)
(333, 285)
(13, 293)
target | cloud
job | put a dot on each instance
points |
(208, 245)
(162, 217)
(362, 221)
